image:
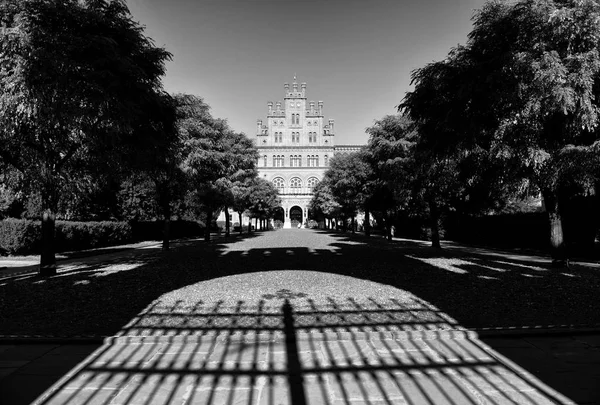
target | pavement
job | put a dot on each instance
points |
(284, 347)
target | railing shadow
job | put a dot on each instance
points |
(290, 348)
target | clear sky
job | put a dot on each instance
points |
(355, 55)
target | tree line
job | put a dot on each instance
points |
(88, 132)
(515, 110)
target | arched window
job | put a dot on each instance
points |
(279, 183)
(265, 160)
(312, 182)
(326, 160)
(295, 184)
(299, 159)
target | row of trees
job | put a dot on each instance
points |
(87, 131)
(516, 108)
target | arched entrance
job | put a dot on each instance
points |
(295, 216)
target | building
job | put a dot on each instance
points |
(295, 145)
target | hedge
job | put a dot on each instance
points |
(153, 230)
(19, 236)
(22, 236)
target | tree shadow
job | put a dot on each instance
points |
(473, 291)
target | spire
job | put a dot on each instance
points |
(294, 77)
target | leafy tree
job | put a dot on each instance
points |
(390, 157)
(263, 199)
(79, 91)
(525, 87)
(214, 157)
(323, 201)
(347, 180)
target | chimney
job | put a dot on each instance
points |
(270, 105)
(331, 126)
(259, 126)
(320, 107)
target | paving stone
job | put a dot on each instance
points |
(82, 397)
(12, 363)
(26, 351)
(19, 389)
(361, 387)
(275, 391)
(122, 354)
(7, 371)
(88, 380)
(591, 340)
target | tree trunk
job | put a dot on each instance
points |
(240, 222)
(209, 215)
(367, 225)
(557, 242)
(353, 224)
(434, 216)
(167, 226)
(388, 226)
(48, 257)
(249, 224)
(227, 222)
(256, 224)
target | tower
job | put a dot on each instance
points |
(295, 146)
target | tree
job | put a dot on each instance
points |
(79, 88)
(323, 200)
(263, 199)
(390, 157)
(525, 87)
(214, 157)
(347, 181)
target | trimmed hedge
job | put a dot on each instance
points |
(153, 230)
(19, 236)
(22, 236)
(87, 235)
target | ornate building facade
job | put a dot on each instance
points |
(295, 145)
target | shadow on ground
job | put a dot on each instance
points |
(458, 291)
(288, 349)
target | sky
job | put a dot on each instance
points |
(355, 55)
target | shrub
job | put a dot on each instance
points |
(87, 235)
(153, 230)
(22, 236)
(19, 236)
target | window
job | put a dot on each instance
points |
(317, 160)
(298, 104)
(326, 160)
(295, 184)
(279, 183)
(265, 160)
(312, 182)
(309, 123)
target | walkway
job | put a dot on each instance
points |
(301, 335)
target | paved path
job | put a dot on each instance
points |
(295, 336)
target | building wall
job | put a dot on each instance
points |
(295, 145)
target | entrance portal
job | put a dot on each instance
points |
(295, 216)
